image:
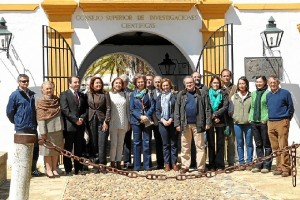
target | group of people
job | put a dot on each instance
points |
(196, 117)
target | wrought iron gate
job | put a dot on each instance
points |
(58, 59)
(217, 53)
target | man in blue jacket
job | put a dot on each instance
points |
(21, 112)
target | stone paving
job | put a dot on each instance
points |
(236, 185)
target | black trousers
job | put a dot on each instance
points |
(76, 139)
(158, 147)
(98, 141)
(127, 147)
(263, 145)
(216, 147)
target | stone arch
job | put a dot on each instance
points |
(149, 47)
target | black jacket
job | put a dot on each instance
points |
(71, 111)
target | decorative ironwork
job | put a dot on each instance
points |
(217, 53)
(58, 59)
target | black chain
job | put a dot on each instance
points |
(180, 177)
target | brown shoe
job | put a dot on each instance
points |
(184, 170)
(277, 172)
(285, 174)
(167, 167)
(175, 167)
(241, 168)
(201, 171)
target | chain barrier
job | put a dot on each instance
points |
(293, 168)
(180, 177)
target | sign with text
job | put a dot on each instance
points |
(263, 66)
(137, 21)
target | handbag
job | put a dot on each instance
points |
(148, 122)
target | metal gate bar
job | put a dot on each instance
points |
(217, 53)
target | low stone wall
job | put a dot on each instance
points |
(3, 167)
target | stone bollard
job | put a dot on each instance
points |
(3, 167)
(21, 166)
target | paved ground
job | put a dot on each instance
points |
(237, 185)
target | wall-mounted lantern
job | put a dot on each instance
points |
(167, 66)
(5, 37)
(271, 36)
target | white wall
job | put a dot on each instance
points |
(27, 41)
(247, 43)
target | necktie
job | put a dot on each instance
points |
(76, 97)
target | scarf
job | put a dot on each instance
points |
(215, 97)
(257, 103)
(47, 108)
(140, 94)
(165, 99)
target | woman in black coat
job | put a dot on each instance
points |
(98, 118)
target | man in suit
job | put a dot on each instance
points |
(153, 86)
(73, 107)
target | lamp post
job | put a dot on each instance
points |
(5, 37)
(167, 66)
(271, 36)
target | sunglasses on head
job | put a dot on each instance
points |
(25, 81)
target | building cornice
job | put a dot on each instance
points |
(213, 14)
(60, 13)
(135, 6)
(268, 6)
(18, 7)
(62, 7)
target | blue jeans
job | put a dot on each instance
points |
(241, 130)
(169, 138)
(141, 135)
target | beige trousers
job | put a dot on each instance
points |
(278, 132)
(186, 140)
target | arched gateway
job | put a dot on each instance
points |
(150, 31)
(149, 47)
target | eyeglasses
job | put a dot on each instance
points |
(25, 81)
